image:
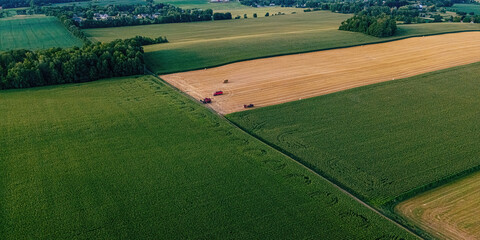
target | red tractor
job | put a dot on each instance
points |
(248, 106)
(206, 100)
(218, 93)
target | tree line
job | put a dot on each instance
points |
(25, 68)
(144, 41)
(130, 15)
(346, 4)
(464, 18)
(378, 26)
(401, 10)
(70, 25)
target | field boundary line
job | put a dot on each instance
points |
(286, 154)
(315, 50)
(339, 186)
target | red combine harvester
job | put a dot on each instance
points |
(248, 106)
(218, 93)
(206, 100)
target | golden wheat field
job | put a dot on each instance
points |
(275, 80)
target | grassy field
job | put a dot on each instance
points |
(468, 8)
(449, 212)
(381, 140)
(205, 4)
(34, 32)
(131, 158)
(206, 44)
(101, 3)
(216, 32)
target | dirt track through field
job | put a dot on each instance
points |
(449, 212)
(275, 80)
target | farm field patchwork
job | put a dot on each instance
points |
(34, 32)
(271, 81)
(384, 140)
(130, 158)
(206, 44)
(448, 212)
(190, 55)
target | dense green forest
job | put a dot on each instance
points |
(378, 26)
(24, 68)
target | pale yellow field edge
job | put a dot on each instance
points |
(276, 80)
(448, 212)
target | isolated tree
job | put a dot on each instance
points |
(267, 14)
(254, 15)
(245, 15)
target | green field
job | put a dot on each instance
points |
(221, 31)
(382, 140)
(468, 8)
(205, 44)
(34, 32)
(205, 4)
(101, 3)
(131, 158)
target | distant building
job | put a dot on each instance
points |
(98, 16)
(77, 19)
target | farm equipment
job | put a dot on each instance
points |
(206, 100)
(218, 93)
(248, 106)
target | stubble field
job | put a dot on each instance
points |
(449, 212)
(271, 81)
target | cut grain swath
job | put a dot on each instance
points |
(271, 81)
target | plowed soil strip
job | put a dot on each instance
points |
(275, 80)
